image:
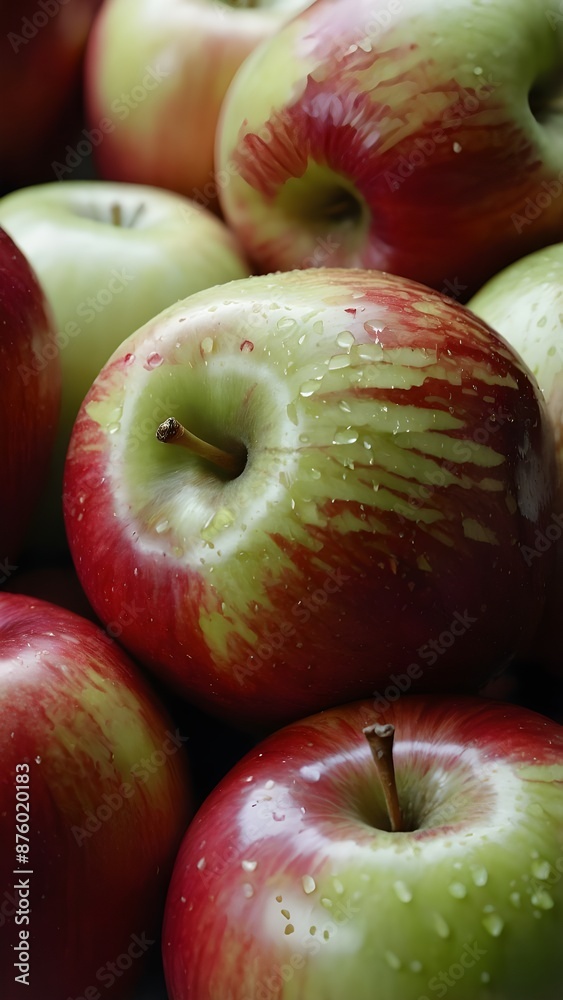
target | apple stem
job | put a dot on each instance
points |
(171, 431)
(380, 739)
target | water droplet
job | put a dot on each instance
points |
(269, 785)
(402, 891)
(440, 926)
(287, 324)
(542, 900)
(248, 890)
(344, 406)
(38, 760)
(541, 869)
(345, 435)
(309, 884)
(458, 890)
(393, 960)
(515, 899)
(247, 346)
(113, 428)
(479, 875)
(345, 339)
(493, 924)
(308, 388)
(339, 361)
(310, 773)
(154, 360)
(456, 147)
(536, 810)
(207, 345)
(201, 864)
(161, 526)
(478, 70)
(182, 899)
(415, 965)
(249, 866)
(315, 474)
(485, 977)
(338, 887)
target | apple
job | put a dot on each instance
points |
(156, 74)
(420, 137)
(40, 81)
(524, 302)
(109, 256)
(29, 401)
(95, 797)
(316, 484)
(308, 884)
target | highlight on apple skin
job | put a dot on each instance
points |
(390, 456)
(95, 796)
(291, 872)
(421, 137)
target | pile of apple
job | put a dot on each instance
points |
(281, 321)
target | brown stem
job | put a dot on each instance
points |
(171, 431)
(380, 739)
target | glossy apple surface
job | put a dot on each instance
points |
(110, 257)
(418, 137)
(95, 797)
(291, 873)
(394, 456)
(524, 302)
(30, 397)
(156, 74)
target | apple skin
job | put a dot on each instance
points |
(290, 872)
(162, 131)
(105, 278)
(398, 457)
(44, 42)
(411, 137)
(29, 403)
(524, 302)
(81, 722)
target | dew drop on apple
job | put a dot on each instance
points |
(309, 884)
(415, 965)
(310, 773)
(38, 760)
(248, 890)
(207, 345)
(345, 339)
(458, 890)
(308, 388)
(480, 876)
(339, 361)
(345, 435)
(493, 924)
(393, 960)
(541, 869)
(161, 526)
(154, 360)
(516, 899)
(441, 926)
(402, 891)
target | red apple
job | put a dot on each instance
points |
(43, 43)
(307, 884)
(380, 458)
(420, 137)
(94, 800)
(30, 397)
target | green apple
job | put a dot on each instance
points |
(109, 257)
(524, 302)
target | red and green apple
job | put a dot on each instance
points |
(308, 884)
(347, 467)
